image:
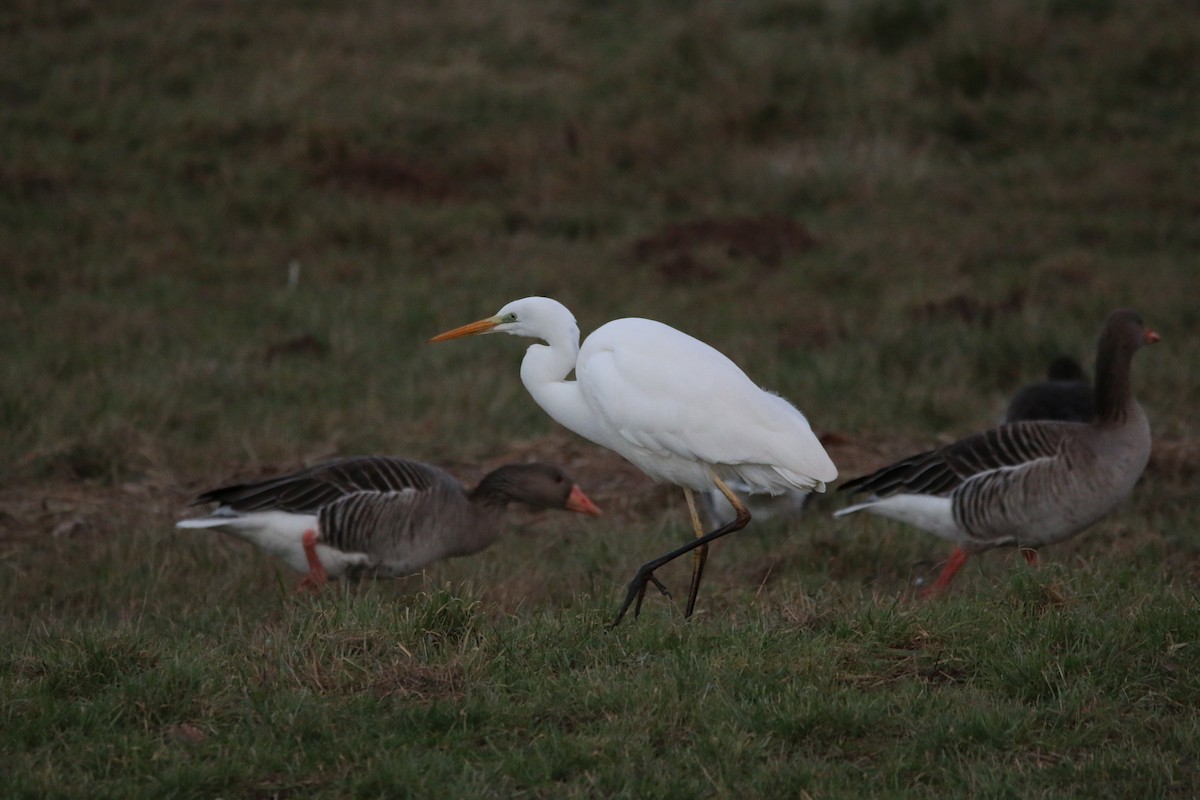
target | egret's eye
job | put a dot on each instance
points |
(509, 317)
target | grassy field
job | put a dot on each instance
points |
(227, 229)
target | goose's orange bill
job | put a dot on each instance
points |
(581, 503)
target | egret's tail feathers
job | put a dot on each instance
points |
(770, 479)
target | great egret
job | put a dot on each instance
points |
(378, 516)
(1026, 484)
(670, 404)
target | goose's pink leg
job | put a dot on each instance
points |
(957, 559)
(1031, 556)
(316, 578)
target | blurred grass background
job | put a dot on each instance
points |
(228, 228)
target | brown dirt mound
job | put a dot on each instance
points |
(968, 309)
(765, 239)
(385, 174)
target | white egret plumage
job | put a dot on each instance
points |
(670, 404)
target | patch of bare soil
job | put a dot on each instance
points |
(968, 309)
(29, 183)
(47, 529)
(305, 345)
(815, 328)
(64, 509)
(675, 249)
(385, 174)
(1178, 459)
(58, 512)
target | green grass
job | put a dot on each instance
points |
(364, 695)
(983, 184)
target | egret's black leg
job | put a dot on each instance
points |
(740, 509)
(637, 592)
(645, 573)
(699, 555)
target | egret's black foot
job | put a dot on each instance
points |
(637, 593)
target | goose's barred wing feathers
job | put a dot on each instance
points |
(309, 490)
(939, 472)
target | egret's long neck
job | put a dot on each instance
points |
(544, 371)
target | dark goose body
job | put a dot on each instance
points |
(1026, 484)
(1065, 395)
(381, 516)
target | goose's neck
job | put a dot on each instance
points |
(1114, 392)
(492, 495)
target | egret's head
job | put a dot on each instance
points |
(535, 317)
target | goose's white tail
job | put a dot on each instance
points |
(276, 532)
(841, 512)
(929, 513)
(204, 522)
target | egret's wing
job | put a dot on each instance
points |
(660, 389)
(671, 394)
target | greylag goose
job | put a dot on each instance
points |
(1065, 395)
(1027, 484)
(668, 403)
(379, 516)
